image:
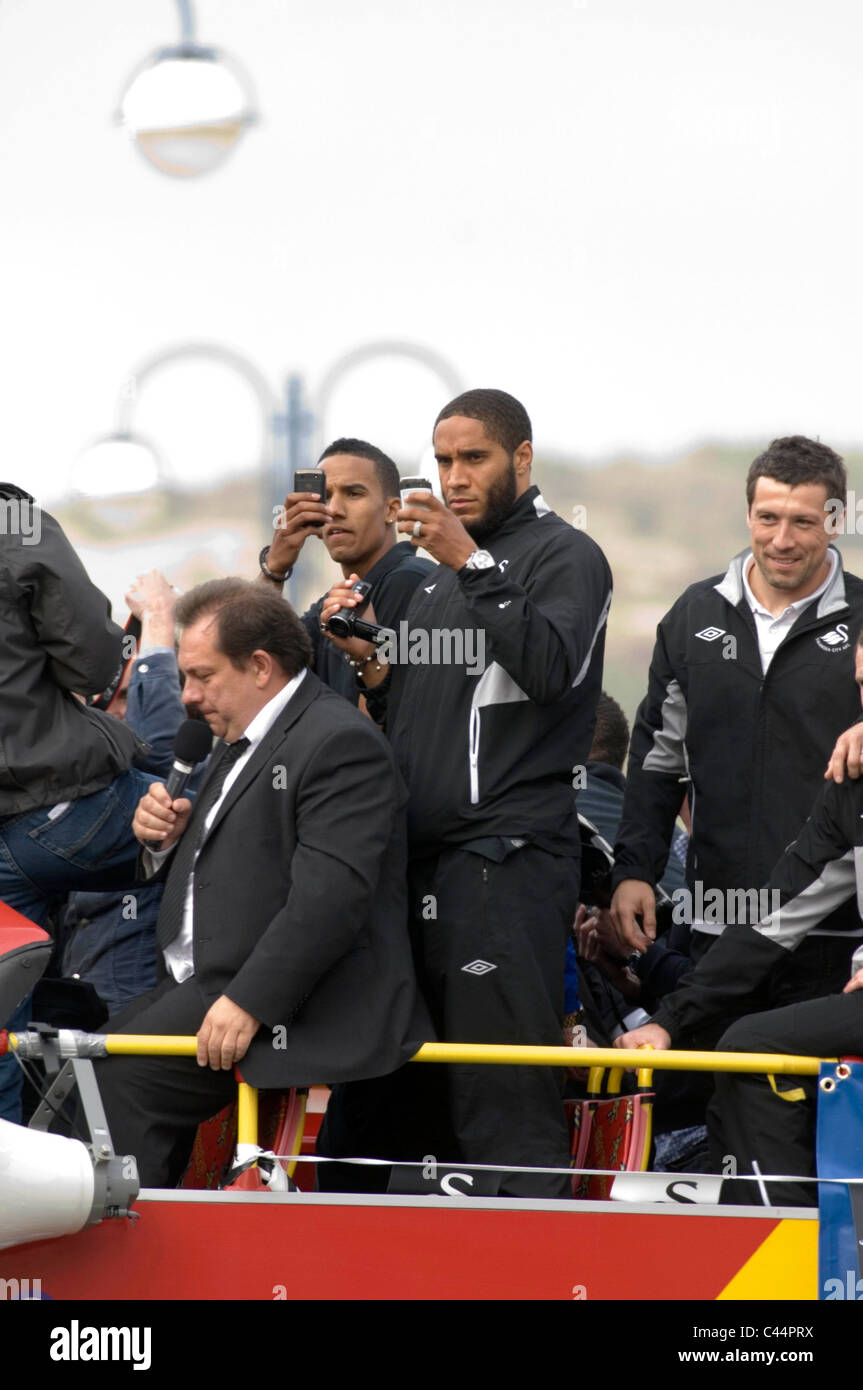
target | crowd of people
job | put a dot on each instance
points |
(383, 845)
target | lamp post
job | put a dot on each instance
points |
(287, 432)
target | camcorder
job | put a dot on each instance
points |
(346, 622)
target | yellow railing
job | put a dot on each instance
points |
(500, 1054)
(514, 1054)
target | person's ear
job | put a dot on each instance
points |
(262, 664)
(523, 457)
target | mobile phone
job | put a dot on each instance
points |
(408, 485)
(314, 482)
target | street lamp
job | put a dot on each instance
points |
(124, 469)
(118, 465)
(109, 464)
(186, 106)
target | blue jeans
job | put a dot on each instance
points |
(112, 943)
(10, 1072)
(89, 845)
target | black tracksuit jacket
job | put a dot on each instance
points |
(754, 745)
(492, 754)
(820, 871)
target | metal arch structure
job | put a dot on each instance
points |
(367, 352)
(208, 352)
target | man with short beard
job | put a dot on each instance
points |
(488, 757)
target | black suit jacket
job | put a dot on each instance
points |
(300, 911)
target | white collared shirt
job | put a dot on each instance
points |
(179, 955)
(773, 630)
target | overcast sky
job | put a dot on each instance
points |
(642, 217)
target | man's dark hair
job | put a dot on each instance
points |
(248, 619)
(505, 419)
(795, 459)
(385, 470)
(611, 735)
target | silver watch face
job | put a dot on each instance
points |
(480, 560)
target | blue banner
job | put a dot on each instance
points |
(840, 1204)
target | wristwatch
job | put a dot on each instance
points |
(265, 569)
(479, 560)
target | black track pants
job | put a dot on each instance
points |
(748, 1120)
(490, 939)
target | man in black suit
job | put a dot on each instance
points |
(283, 923)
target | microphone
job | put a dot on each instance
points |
(192, 744)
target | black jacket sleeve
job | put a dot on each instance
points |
(814, 876)
(543, 634)
(70, 616)
(657, 770)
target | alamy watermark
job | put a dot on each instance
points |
(17, 1289)
(436, 646)
(19, 516)
(77, 1343)
(731, 907)
(844, 519)
(851, 1290)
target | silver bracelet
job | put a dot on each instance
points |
(357, 663)
(265, 569)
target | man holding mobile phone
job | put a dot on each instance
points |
(488, 755)
(355, 517)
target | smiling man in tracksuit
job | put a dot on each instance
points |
(488, 752)
(756, 1118)
(751, 683)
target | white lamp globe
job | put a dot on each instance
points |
(186, 109)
